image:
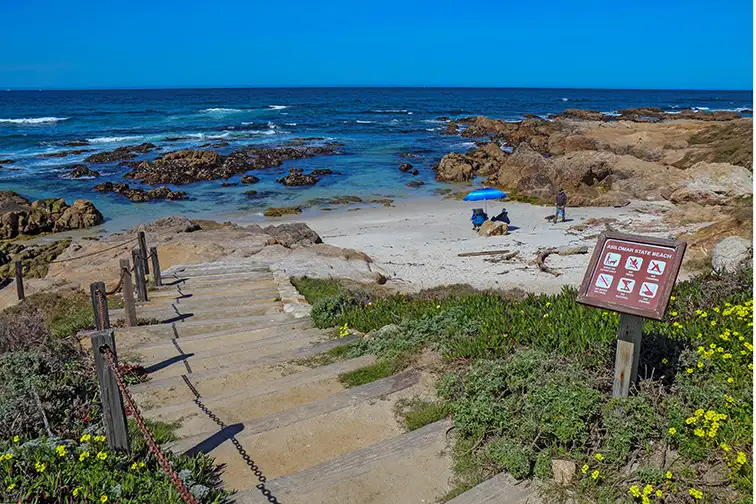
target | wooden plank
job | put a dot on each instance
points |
(156, 275)
(141, 283)
(484, 253)
(628, 354)
(20, 281)
(129, 306)
(501, 489)
(348, 397)
(349, 466)
(143, 252)
(113, 412)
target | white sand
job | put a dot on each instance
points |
(416, 244)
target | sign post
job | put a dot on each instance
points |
(633, 275)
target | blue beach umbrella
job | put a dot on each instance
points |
(485, 194)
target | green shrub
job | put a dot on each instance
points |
(418, 413)
(367, 374)
(511, 456)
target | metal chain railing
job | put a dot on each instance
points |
(239, 448)
(163, 461)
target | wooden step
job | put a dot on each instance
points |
(501, 489)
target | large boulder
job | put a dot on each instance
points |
(81, 170)
(451, 128)
(712, 184)
(525, 170)
(137, 195)
(293, 235)
(731, 254)
(454, 167)
(297, 177)
(491, 228)
(121, 153)
(20, 217)
(481, 126)
(487, 159)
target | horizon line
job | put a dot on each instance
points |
(167, 88)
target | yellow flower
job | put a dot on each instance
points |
(672, 431)
(635, 491)
(104, 498)
(699, 412)
(689, 370)
(700, 365)
(85, 438)
(11, 487)
(595, 474)
(141, 464)
(7, 456)
(730, 379)
(742, 458)
(83, 456)
(134, 466)
(674, 314)
(40, 467)
(99, 439)
(727, 356)
(61, 451)
(76, 492)
(750, 366)
(659, 494)
(665, 361)
(724, 446)
(548, 303)
(15, 439)
(102, 455)
(645, 500)
(438, 307)
(729, 399)
(696, 494)
(668, 475)
(648, 489)
(599, 457)
(584, 468)
(691, 420)
(672, 298)
(699, 432)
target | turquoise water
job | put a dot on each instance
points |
(375, 126)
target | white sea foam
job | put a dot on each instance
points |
(221, 110)
(99, 140)
(278, 107)
(565, 99)
(364, 122)
(391, 111)
(34, 120)
(291, 124)
(272, 125)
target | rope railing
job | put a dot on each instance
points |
(84, 256)
(162, 460)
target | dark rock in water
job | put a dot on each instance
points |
(289, 235)
(76, 143)
(746, 111)
(6, 161)
(175, 139)
(229, 184)
(140, 195)
(451, 129)
(215, 145)
(82, 170)
(64, 153)
(408, 155)
(415, 171)
(249, 179)
(530, 116)
(442, 118)
(280, 212)
(382, 201)
(187, 166)
(19, 216)
(297, 177)
(336, 200)
(405, 167)
(416, 183)
(322, 171)
(583, 115)
(121, 153)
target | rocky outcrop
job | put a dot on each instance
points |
(6, 161)
(297, 177)
(487, 159)
(415, 183)
(187, 166)
(454, 167)
(76, 143)
(731, 254)
(18, 216)
(121, 153)
(60, 154)
(140, 195)
(249, 179)
(481, 126)
(581, 115)
(405, 167)
(82, 170)
(451, 128)
(712, 184)
(280, 212)
(293, 235)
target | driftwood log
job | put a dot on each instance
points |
(540, 259)
(484, 253)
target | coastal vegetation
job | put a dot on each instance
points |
(527, 381)
(52, 446)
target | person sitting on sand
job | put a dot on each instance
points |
(478, 218)
(561, 206)
(502, 217)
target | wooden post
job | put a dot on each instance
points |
(128, 294)
(143, 252)
(141, 283)
(156, 274)
(20, 281)
(113, 412)
(628, 354)
(100, 305)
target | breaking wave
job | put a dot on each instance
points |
(34, 120)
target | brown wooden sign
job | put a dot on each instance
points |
(632, 274)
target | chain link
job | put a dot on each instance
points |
(239, 448)
(163, 461)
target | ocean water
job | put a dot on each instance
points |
(374, 124)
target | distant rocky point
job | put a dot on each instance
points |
(19, 216)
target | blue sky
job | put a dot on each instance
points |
(691, 44)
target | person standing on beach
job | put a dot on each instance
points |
(561, 206)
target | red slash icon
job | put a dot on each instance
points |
(647, 291)
(634, 262)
